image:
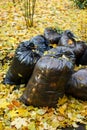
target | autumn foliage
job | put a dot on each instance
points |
(14, 115)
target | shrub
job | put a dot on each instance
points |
(81, 3)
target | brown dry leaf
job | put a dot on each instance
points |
(16, 103)
(61, 118)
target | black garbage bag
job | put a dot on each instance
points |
(25, 58)
(80, 127)
(77, 85)
(49, 78)
(52, 35)
(83, 59)
(67, 39)
(62, 51)
(79, 48)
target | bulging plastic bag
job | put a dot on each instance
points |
(52, 35)
(25, 58)
(62, 51)
(79, 49)
(50, 76)
(83, 59)
(77, 85)
(67, 39)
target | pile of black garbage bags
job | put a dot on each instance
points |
(48, 72)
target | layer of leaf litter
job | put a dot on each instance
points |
(13, 114)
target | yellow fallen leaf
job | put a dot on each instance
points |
(1, 126)
(22, 112)
(74, 124)
(32, 126)
(19, 122)
(3, 103)
(61, 101)
(62, 109)
(70, 42)
(12, 113)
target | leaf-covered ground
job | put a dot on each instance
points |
(13, 114)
